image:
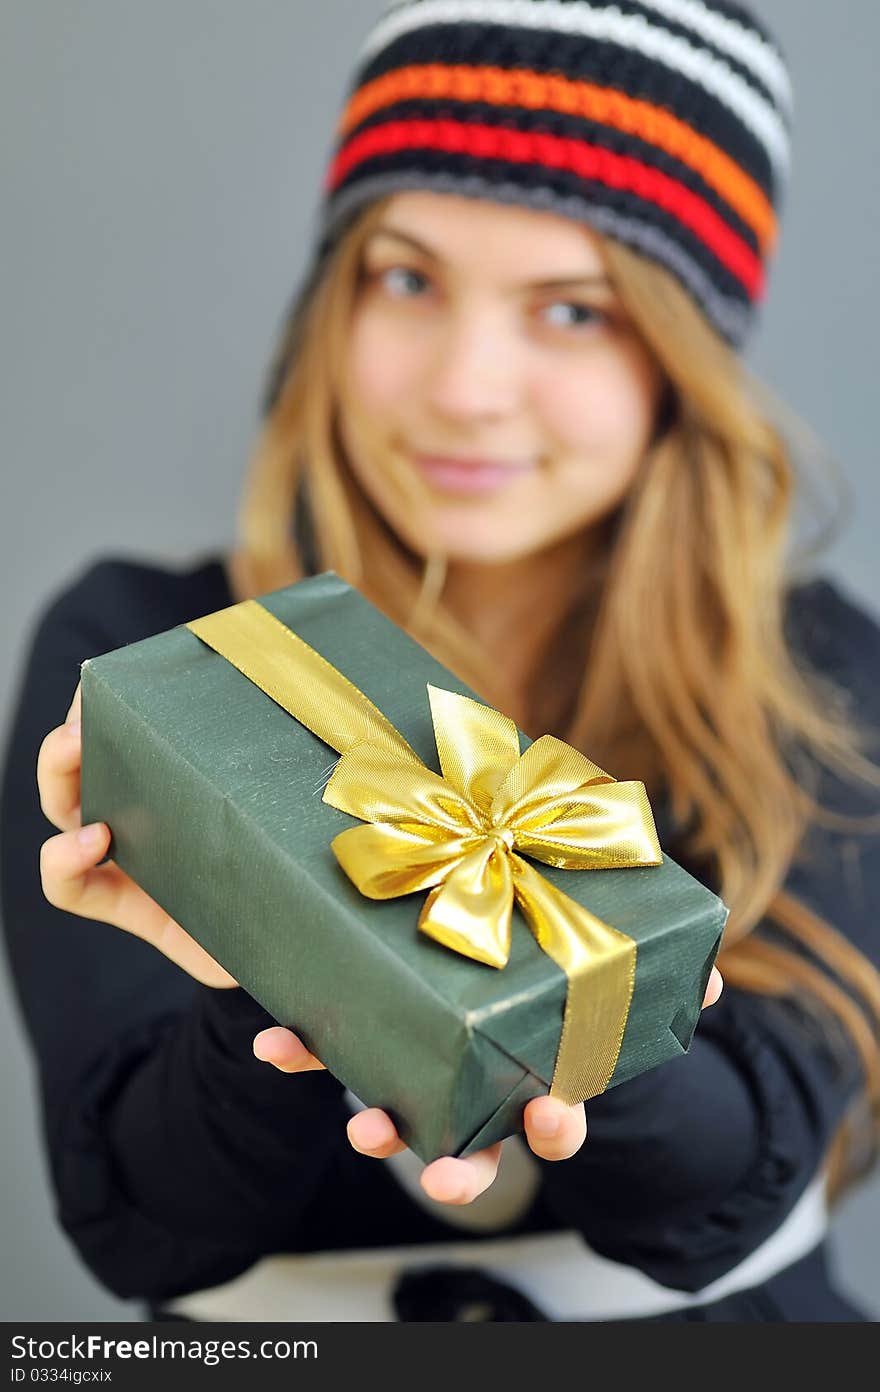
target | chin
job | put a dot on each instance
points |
(478, 549)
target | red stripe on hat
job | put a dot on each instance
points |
(560, 152)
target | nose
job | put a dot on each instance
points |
(477, 371)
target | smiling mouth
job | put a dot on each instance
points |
(470, 476)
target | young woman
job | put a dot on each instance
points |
(507, 404)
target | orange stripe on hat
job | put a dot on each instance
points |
(549, 91)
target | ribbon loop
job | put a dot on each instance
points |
(476, 745)
(541, 779)
(377, 786)
(386, 860)
(621, 830)
(471, 910)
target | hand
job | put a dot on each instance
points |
(553, 1130)
(71, 877)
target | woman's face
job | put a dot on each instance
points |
(511, 400)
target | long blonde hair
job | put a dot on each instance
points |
(686, 679)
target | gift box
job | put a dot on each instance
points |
(455, 919)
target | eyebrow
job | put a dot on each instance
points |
(594, 278)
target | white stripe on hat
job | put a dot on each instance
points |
(630, 31)
(746, 45)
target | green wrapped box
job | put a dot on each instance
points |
(214, 794)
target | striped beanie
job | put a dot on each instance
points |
(661, 123)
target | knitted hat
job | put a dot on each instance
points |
(662, 123)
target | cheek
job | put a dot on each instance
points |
(379, 367)
(378, 378)
(603, 412)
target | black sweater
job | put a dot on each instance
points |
(178, 1159)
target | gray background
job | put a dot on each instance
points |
(160, 169)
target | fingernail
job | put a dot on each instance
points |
(90, 835)
(544, 1124)
(74, 728)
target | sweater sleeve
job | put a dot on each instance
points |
(689, 1167)
(176, 1157)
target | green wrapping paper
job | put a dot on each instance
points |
(213, 795)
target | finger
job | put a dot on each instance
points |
(69, 881)
(554, 1131)
(372, 1132)
(714, 987)
(72, 881)
(460, 1181)
(284, 1050)
(58, 777)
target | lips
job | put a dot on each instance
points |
(448, 474)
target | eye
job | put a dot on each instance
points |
(581, 316)
(589, 314)
(404, 273)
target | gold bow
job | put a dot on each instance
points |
(458, 834)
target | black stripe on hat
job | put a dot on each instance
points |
(604, 63)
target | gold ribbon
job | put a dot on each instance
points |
(457, 835)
